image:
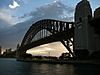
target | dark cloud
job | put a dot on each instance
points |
(3, 24)
(56, 10)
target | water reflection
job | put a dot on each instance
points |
(52, 69)
(87, 69)
(13, 67)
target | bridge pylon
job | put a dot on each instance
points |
(84, 32)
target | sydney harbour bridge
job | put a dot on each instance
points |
(47, 31)
(79, 34)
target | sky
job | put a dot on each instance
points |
(14, 9)
(13, 12)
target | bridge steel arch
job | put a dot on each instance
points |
(55, 27)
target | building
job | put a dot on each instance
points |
(84, 32)
(97, 13)
(96, 25)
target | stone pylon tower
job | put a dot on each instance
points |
(83, 31)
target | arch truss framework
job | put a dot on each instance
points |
(58, 31)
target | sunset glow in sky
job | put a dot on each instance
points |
(14, 13)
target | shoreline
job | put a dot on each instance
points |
(61, 61)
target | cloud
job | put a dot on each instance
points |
(4, 15)
(14, 5)
(56, 0)
(56, 10)
(53, 49)
(3, 24)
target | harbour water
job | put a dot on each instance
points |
(13, 67)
